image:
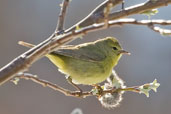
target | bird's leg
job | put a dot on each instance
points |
(69, 79)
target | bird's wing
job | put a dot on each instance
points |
(82, 52)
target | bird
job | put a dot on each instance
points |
(88, 63)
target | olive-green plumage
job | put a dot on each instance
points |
(88, 63)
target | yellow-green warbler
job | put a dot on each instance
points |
(87, 63)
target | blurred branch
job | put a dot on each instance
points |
(164, 32)
(25, 60)
(148, 23)
(60, 23)
(121, 22)
(141, 22)
(106, 12)
(139, 8)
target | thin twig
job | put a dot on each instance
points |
(106, 13)
(66, 92)
(141, 22)
(164, 32)
(61, 20)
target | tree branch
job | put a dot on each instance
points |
(95, 15)
(60, 23)
(136, 9)
(24, 61)
(96, 90)
(66, 92)
(165, 32)
(141, 22)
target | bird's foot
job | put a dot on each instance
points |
(69, 79)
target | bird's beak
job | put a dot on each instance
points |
(124, 52)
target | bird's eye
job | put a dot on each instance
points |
(115, 48)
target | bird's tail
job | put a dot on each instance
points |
(52, 57)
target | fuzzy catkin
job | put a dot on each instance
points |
(111, 100)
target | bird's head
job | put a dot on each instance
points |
(112, 48)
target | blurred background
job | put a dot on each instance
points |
(35, 20)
